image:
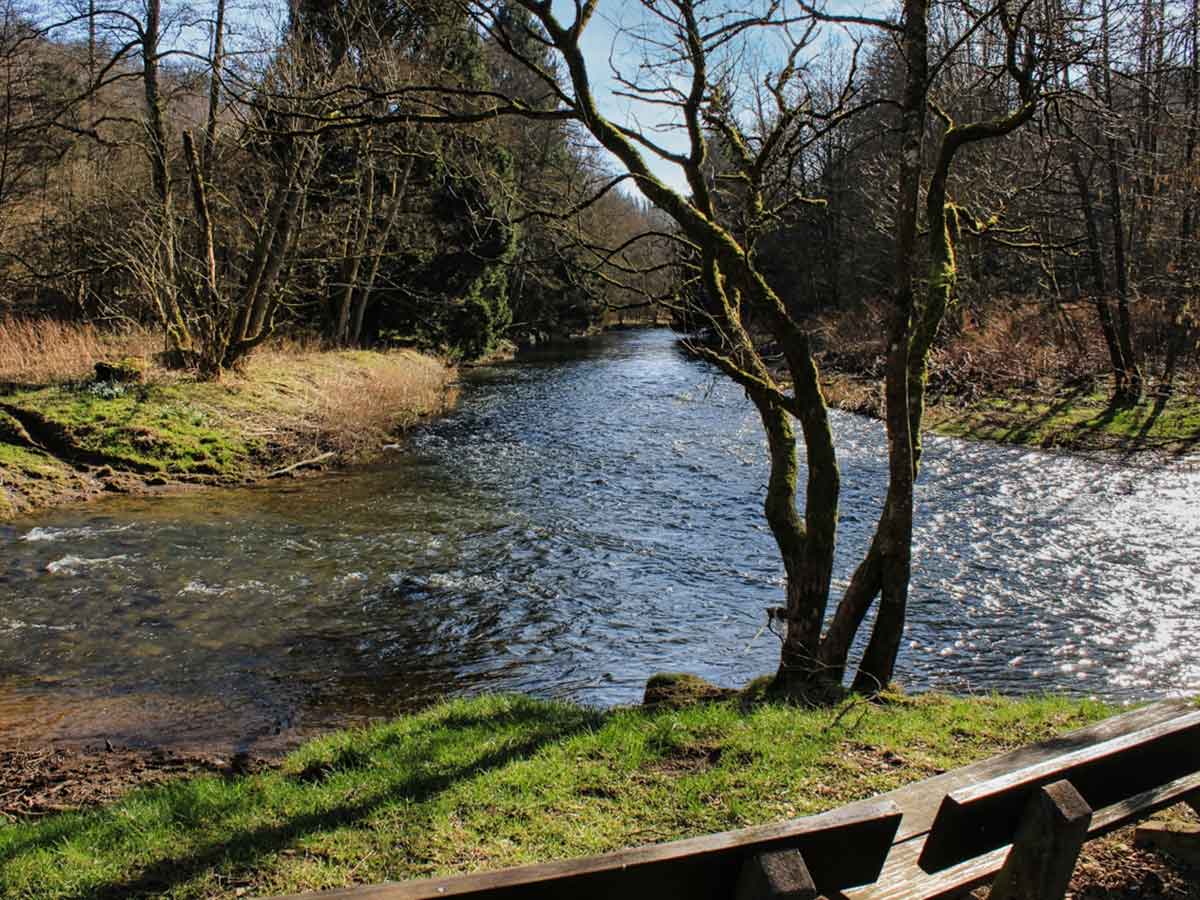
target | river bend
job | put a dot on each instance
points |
(582, 521)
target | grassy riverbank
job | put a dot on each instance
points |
(496, 781)
(65, 435)
(1069, 418)
(1023, 373)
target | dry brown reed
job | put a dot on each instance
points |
(48, 351)
(1014, 343)
(1023, 345)
(350, 402)
(358, 410)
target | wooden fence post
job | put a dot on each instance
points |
(1047, 843)
(775, 875)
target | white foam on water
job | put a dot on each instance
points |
(61, 534)
(18, 625)
(70, 565)
(196, 586)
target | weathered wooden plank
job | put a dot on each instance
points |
(973, 820)
(1181, 841)
(1140, 805)
(841, 848)
(903, 879)
(775, 875)
(920, 801)
(1046, 847)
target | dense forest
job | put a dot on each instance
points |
(186, 169)
(399, 172)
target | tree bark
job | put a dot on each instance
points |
(1096, 260)
(214, 91)
(893, 541)
(179, 338)
(355, 246)
(1130, 391)
(397, 193)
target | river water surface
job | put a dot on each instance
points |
(581, 522)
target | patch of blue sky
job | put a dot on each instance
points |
(614, 52)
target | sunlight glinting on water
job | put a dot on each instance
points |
(577, 525)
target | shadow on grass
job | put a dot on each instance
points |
(1181, 445)
(1021, 434)
(532, 728)
(1130, 443)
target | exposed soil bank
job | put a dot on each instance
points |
(35, 783)
(1080, 418)
(287, 413)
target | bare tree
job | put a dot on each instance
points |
(692, 70)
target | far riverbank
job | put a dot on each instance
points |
(1079, 418)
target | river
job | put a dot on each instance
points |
(582, 521)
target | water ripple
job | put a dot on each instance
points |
(580, 523)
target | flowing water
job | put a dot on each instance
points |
(581, 522)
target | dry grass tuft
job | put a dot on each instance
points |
(357, 411)
(46, 351)
(351, 402)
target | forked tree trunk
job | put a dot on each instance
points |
(805, 546)
(886, 569)
(893, 538)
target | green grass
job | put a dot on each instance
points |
(287, 406)
(155, 427)
(496, 781)
(1076, 420)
